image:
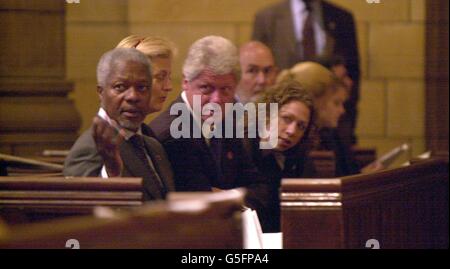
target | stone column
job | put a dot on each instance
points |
(35, 112)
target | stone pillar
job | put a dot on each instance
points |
(35, 112)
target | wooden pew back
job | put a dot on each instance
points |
(324, 163)
(405, 207)
(206, 221)
(29, 199)
(363, 156)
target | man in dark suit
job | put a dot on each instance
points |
(117, 143)
(300, 30)
(204, 163)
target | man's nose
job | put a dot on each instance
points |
(167, 86)
(217, 97)
(132, 94)
(261, 77)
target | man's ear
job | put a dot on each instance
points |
(99, 91)
(184, 83)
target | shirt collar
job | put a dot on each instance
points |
(298, 6)
(197, 118)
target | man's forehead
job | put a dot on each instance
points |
(258, 60)
(123, 70)
(259, 65)
(211, 77)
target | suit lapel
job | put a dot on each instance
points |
(206, 155)
(285, 25)
(161, 168)
(330, 24)
(135, 167)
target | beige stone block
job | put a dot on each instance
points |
(362, 29)
(97, 10)
(183, 35)
(386, 10)
(86, 100)
(396, 50)
(372, 107)
(244, 33)
(86, 43)
(418, 10)
(406, 108)
(384, 145)
(195, 10)
(418, 146)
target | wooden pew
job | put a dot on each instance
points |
(324, 163)
(20, 166)
(210, 220)
(405, 207)
(363, 156)
(30, 199)
(3, 168)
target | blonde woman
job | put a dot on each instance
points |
(329, 95)
(161, 53)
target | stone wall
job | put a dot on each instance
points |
(391, 41)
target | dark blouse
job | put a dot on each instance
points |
(345, 162)
(295, 166)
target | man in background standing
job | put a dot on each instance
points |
(258, 71)
(302, 30)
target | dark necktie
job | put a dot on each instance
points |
(139, 148)
(309, 41)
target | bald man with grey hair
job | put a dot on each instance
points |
(118, 143)
(258, 71)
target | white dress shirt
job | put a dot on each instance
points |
(197, 118)
(299, 15)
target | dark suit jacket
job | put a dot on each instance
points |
(296, 166)
(345, 162)
(85, 161)
(274, 27)
(195, 168)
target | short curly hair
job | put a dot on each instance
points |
(285, 92)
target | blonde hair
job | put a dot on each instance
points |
(315, 78)
(150, 46)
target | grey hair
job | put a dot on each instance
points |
(215, 53)
(109, 60)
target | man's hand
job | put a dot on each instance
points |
(108, 139)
